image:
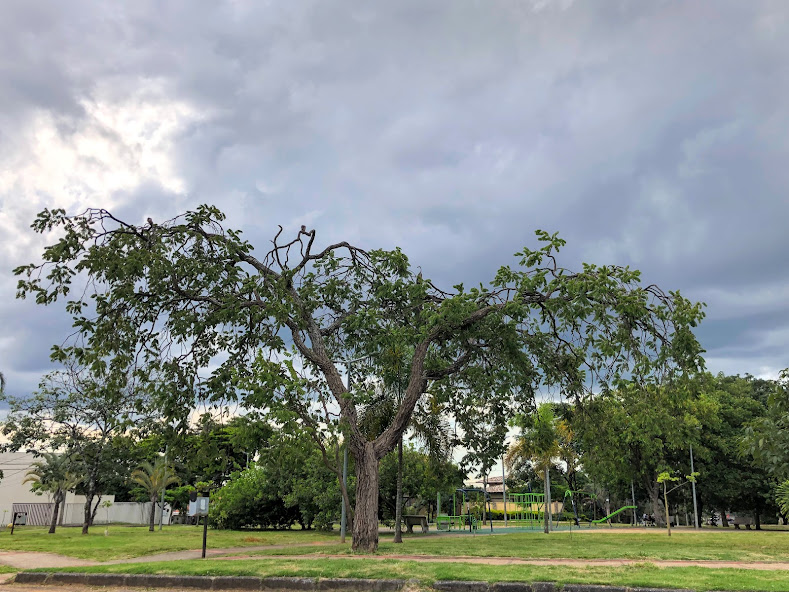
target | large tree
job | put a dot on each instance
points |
(181, 296)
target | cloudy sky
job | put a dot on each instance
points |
(648, 133)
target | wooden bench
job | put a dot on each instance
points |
(412, 520)
(746, 521)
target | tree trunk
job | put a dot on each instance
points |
(88, 510)
(757, 522)
(724, 520)
(668, 514)
(654, 497)
(365, 523)
(398, 537)
(55, 511)
(95, 509)
(547, 493)
(152, 519)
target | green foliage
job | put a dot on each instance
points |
(248, 500)
(288, 484)
(782, 497)
(730, 479)
(423, 477)
(154, 477)
(179, 298)
(53, 473)
(766, 439)
(91, 415)
(540, 437)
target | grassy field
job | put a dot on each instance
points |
(124, 542)
(607, 544)
(128, 541)
(644, 574)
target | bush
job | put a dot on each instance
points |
(247, 500)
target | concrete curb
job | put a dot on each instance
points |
(211, 582)
(304, 584)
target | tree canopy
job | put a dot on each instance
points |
(189, 305)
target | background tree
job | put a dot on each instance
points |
(154, 478)
(766, 438)
(632, 433)
(730, 480)
(54, 474)
(86, 414)
(182, 295)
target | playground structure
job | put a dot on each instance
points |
(526, 512)
(458, 520)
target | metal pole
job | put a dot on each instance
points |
(343, 517)
(693, 484)
(205, 534)
(550, 501)
(161, 513)
(504, 489)
(635, 510)
(343, 513)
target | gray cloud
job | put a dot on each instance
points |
(648, 133)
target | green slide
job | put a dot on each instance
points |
(622, 509)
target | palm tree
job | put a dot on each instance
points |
(53, 474)
(154, 478)
(2, 382)
(782, 497)
(538, 442)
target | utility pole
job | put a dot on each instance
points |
(693, 484)
(161, 514)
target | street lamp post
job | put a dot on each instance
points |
(693, 484)
(161, 514)
(504, 489)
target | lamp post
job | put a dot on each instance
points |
(693, 484)
(504, 489)
(161, 514)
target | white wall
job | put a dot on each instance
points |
(125, 512)
(15, 466)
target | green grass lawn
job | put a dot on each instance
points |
(732, 545)
(131, 541)
(124, 541)
(643, 574)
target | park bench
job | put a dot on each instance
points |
(747, 521)
(412, 520)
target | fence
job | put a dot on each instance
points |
(40, 514)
